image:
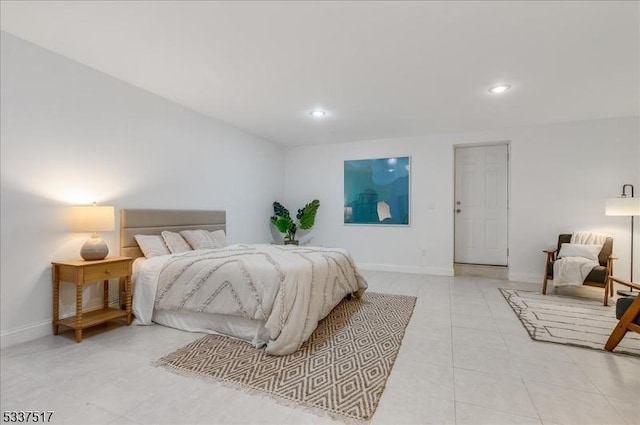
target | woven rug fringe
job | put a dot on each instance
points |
(283, 401)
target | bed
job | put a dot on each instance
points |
(267, 295)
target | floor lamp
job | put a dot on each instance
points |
(627, 206)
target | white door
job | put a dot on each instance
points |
(481, 205)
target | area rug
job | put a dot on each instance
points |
(341, 370)
(569, 320)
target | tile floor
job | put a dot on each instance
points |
(465, 359)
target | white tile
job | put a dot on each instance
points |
(492, 391)
(125, 393)
(470, 321)
(571, 406)
(422, 377)
(300, 416)
(588, 359)
(616, 381)
(510, 328)
(488, 360)
(522, 347)
(409, 407)
(468, 414)
(628, 407)
(561, 374)
(429, 351)
(123, 420)
(17, 392)
(465, 338)
(68, 409)
(91, 414)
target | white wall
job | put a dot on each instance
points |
(560, 176)
(72, 135)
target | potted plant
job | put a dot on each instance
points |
(305, 219)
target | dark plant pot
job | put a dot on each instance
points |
(290, 242)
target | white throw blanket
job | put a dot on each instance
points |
(589, 238)
(574, 270)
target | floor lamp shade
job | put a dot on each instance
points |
(624, 206)
(93, 219)
(627, 207)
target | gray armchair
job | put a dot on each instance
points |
(598, 277)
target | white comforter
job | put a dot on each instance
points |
(287, 288)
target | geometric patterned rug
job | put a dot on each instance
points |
(569, 320)
(340, 370)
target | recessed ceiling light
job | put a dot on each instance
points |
(318, 113)
(499, 88)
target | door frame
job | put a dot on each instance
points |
(455, 146)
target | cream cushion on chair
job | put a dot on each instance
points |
(579, 250)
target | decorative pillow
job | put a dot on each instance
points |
(579, 250)
(220, 238)
(199, 239)
(175, 242)
(152, 245)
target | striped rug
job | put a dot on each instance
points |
(341, 370)
(569, 320)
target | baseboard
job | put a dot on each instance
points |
(25, 333)
(526, 277)
(478, 270)
(405, 269)
(37, 330)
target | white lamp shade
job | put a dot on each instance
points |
(623, 206)
(93, 219)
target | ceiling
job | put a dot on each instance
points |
(380, 69)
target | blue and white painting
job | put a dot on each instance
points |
(376, 191)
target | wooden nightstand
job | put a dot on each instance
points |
(84, 272)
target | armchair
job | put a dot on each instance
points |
(628, 311)
(599, 275)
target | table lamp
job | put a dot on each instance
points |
(627, 207)
(93, 219)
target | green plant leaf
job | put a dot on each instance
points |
(279, 210)
(307, 215)
(284, 224)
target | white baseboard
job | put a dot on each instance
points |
(526, 277)
(406, 269)
(25, 333)
(37, 330)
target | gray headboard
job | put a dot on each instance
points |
(153, 222)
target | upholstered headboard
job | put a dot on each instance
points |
(153, 222)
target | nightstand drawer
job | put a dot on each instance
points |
(105, 271)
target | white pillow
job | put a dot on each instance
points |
(175, 242)
(199, 239)
(152, 245)
(220, 238)
(579, 250)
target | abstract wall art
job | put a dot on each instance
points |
(376, 191)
